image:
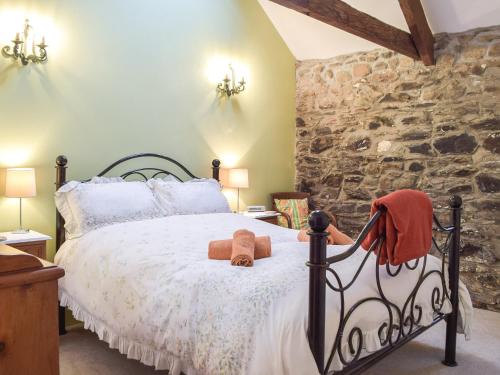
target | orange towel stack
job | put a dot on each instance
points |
(242, 249)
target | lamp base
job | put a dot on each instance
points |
(20, 231)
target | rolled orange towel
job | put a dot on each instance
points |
(243, 248)
(335, 237)
(222, 249)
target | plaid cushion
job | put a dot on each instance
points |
(298, 210)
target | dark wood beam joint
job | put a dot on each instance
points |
(343, 16)
(419, 28)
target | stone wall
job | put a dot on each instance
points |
(370, 123)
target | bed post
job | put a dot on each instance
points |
(61, 162)
(215, 169)
(453, 277)
(318, 221)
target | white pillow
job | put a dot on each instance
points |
(166, 178)
(198, 196)
(105, 180)
(88, 206)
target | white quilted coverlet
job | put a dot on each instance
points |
(149, 290)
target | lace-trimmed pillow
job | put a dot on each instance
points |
(88, 206)
(197, 196)
(297, 209)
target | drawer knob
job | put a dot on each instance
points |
(2, 346)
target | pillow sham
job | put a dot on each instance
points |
(198, 196)
(105, 180)
(88, 206)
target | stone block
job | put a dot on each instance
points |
(361, 144)
(415, 135)
(488, 183)
(474, 52)
(343, 76)
(492, 143)
(406, 181)
(456, 144)
(322, 144)
(361, 70)
(353, 191)
(299, 122)
(416, 167)
(423, 148)
(494, 50)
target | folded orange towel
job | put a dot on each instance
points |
(243, 248)
(335, 237)
(222, 249)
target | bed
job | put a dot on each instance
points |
(147, 288)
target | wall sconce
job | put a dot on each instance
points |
(20, 48)
(228, 85)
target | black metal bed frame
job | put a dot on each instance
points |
(402, 324)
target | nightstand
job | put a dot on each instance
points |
(33, 243)
(270, 217)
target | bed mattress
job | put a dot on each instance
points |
(150, 291)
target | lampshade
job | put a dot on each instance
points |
(237, 178)
(20, 183)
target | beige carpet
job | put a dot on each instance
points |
(83, 354)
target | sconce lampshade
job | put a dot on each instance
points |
(20, 183)
(237, 178)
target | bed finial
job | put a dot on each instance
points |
(61, 161)
(216, 169)
(455, 201)
(318, 221)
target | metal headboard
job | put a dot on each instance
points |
(143, 173)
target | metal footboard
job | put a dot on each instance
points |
(402, 324)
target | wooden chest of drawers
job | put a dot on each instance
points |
(29, 340)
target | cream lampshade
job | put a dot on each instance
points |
(237, 178)
(20, 183)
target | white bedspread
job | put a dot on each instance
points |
(149, 290)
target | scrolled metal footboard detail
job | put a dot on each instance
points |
(403, 323)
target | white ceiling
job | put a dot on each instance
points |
(308, 38)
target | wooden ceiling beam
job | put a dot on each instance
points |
(420, 31)
(341, 15)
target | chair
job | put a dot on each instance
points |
(296, 195)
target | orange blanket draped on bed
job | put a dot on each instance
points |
(406, 224)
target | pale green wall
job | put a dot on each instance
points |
(128, 76)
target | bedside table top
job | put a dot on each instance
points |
(31, 236)
(261, 215)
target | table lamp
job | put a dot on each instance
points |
(237, 178)
(20, 183)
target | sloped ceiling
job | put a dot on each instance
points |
(311, 39)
